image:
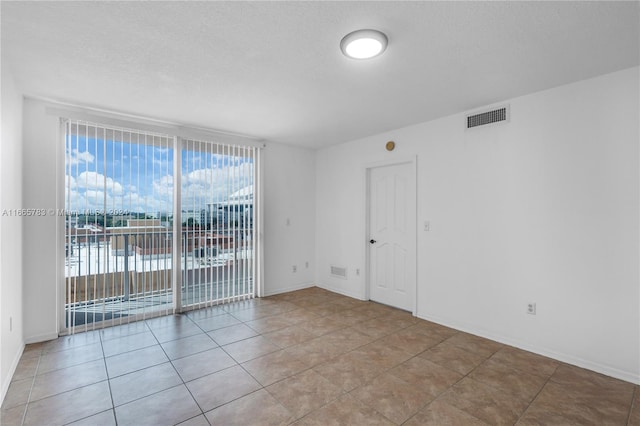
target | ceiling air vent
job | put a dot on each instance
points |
(483, 118)
(339, 272)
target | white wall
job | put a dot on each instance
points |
(11, 340)
(40, 268)
(289, 218)
(543, 209)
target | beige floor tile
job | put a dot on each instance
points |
(12, 416)
(441, 414)
(180, 331)
(197, 365)
(325, 309)
(309, 354)
(516, 382)
(33, 350)
(18, 393)
(168, 407)
(526, 361)
(491, 405)
(128, 343)
(433, 330)
(346, 410)
(377, 327)
(400, 319)
(323, 347)
(26, 368)
(607, 388)
(410, 341)
(393, 397)
(123, 330)
(298, 316)
(307, 302)
(324, 359)
(250, 348)
(268, 324)
(56, 410)
(136, 360)
(143, 383)
(381, 355)
(634, 415)
(289, 336)
(541, 416)
(453, 358)
(106, 418)
(73, 341)
(477, 345)
(275, 366)
(222, 387)
(428, 376)
(277, 308)
(346, 338)
(200, 420)
(304, 392)
(67, 379)
(578, 405)
(188, 346)
(349, 371)
(167, 321)
(349, 317)
(211, 311)
(253, 313)
(216, 322)
(322, 325)
(78, 355)
(256, 409)
(232, 334)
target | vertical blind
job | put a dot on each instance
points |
(128, 194)
(218, 222)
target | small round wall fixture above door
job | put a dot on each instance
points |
(391, 145)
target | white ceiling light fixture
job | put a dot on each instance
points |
(364, 44)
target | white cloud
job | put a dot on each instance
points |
(94, 180)
(69, 182)
(75, 157)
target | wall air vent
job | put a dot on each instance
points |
(483, 118)
(339, 272)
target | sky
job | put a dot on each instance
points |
(120, 177)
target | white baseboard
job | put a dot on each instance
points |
(354, 295)
(288, 289)
(550, 353)
(40, 338)
(7, 380)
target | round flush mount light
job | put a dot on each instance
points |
(363, 44)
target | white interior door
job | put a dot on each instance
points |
(392, 235)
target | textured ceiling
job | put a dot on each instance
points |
(274, 70)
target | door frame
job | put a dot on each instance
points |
(413, 162)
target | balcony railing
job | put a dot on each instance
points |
(115, 274)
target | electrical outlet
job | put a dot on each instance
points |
(295, 268)
(531, 308)
(358, 272)
(427, 226)
(288, 222)
(306, 265)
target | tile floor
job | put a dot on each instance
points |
(309, 357)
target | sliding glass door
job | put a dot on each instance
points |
(218, 223)
(146, 214)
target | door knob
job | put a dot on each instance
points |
(372, 241)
